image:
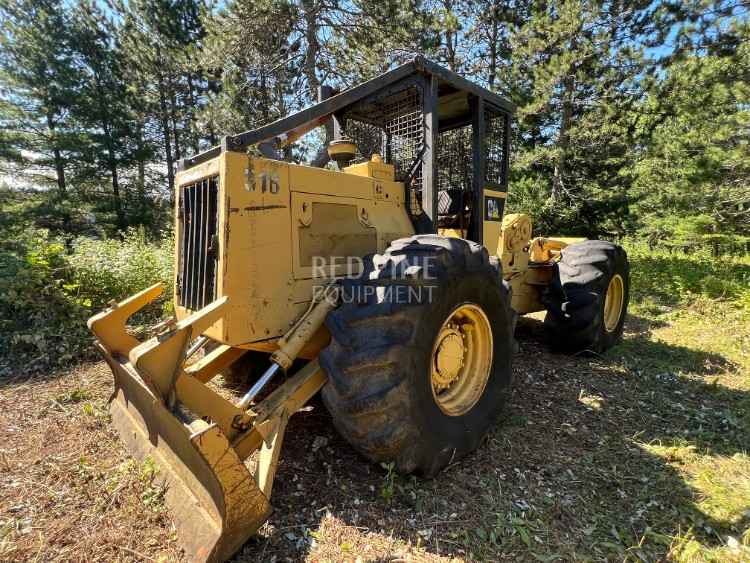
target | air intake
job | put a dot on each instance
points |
(199, 243)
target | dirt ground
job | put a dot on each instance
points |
(580, 468)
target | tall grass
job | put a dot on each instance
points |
(665, 277)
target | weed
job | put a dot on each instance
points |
(74, 396)
(388, 488)
(48, 288)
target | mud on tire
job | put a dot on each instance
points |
(379, 359)
(575, 299)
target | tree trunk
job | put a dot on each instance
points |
(106, 125)
(450, 38)
(191, 102)
(563, 139)
(141, 175)
(116, 191)
(164, 118)
(173, 116)
(59, 164)
(313, 47)
(112, 163)
(493, 49)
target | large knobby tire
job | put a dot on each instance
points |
(380, 359)
(580, 314)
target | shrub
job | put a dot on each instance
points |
(48, 289)
(673, 277)
(102, 270)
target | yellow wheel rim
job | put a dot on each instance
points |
(461, 360)
(613, 303)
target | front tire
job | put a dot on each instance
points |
(587, 300)
(390, 395)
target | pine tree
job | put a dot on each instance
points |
(161, 45)
(692, 179)
(576, 76)
(103, 109)
(254, 56)
(38, 81)
(490, 26)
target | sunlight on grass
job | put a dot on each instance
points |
(694, 327)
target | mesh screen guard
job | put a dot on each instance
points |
(392, 124)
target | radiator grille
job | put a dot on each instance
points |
(198, 220)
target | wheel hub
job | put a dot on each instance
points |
(449, 358)
(461, 359)
(613, 301)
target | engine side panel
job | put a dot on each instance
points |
(282, 229)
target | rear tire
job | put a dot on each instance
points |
(579, 315)
(381, 358)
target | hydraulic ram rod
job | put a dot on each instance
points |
(293, 341)
(260, 384)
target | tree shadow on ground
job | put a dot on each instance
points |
(569, 473)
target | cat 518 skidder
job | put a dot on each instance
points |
(412, 354)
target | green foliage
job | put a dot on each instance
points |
(48, 289)
(631, 116)
(662, 277)
(101, 270)
(39, 82)
(692, 178)
(388, 488)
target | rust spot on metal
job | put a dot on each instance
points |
(263, 207)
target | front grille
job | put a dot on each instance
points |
(198, 221)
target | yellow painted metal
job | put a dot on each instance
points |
(267, 209)
(293, 342)
(492, 229)
(342, 148)
(159, 406)
(374, 168)
(214, 362)
(613, 301)
(290, 397)
(452, 233)
(109, 325)
(461, 359)
(327, 231)
(513, 252)
(527, 263)
(270, 449)
(547, 249)
(513, 247)
(215, 502)
(449, 357)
